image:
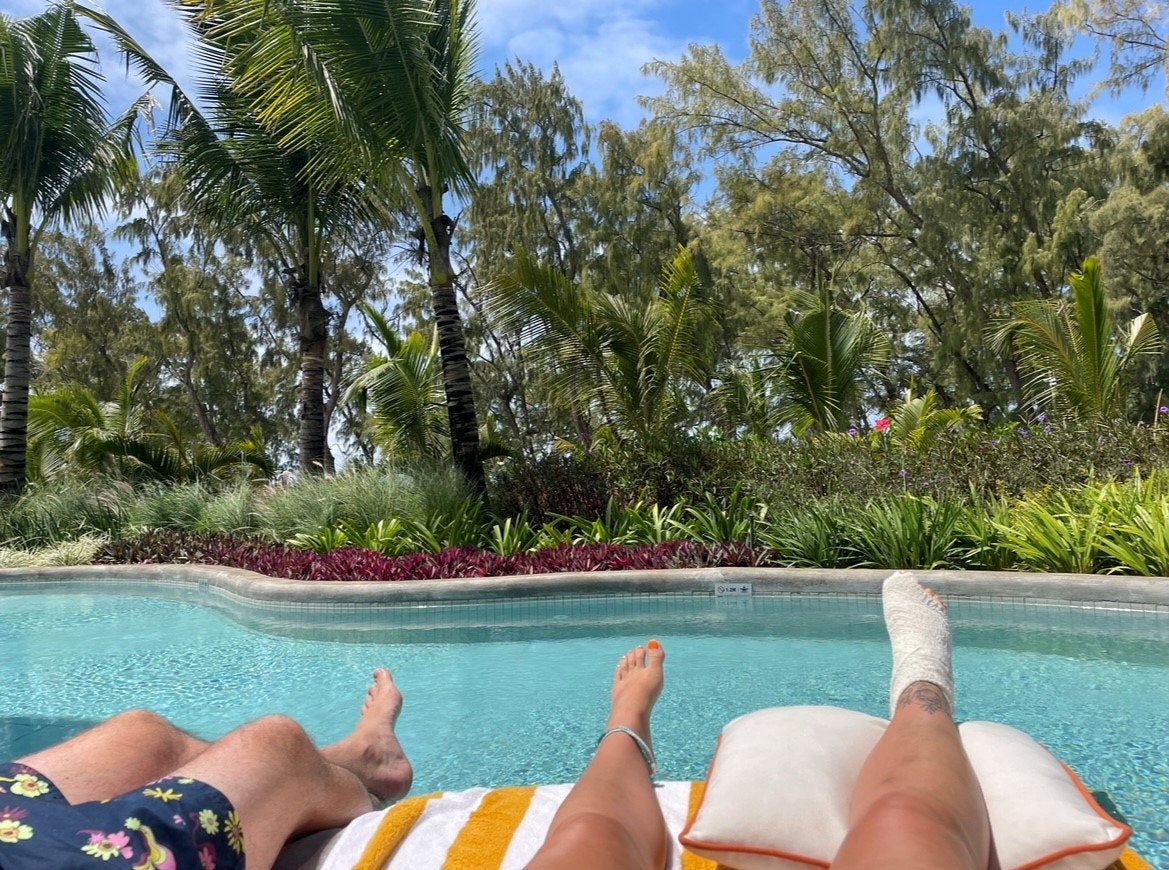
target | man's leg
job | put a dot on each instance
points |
(917, 802)
(119, 755)
(282, 786)
(612, 818)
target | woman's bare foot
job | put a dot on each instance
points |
(636, 687)
(372, 751)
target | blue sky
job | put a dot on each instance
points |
(600, 45)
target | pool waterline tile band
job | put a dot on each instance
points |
(1089, 590)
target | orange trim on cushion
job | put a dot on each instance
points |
(690, 842)
(1126, 831)
(696, 807)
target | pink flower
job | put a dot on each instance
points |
(882, 424)
(207, 856)
(105, 846)
(12, 814)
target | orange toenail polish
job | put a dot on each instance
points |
(653, 644)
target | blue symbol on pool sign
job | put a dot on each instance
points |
(732, 590)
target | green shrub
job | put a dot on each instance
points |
(982, 544)
(361, 498)
(1059, 533)
(810, 538)
(232, 511)
(718, 521)
(78, 552)
(463, 525)
(905, 531)
(1141, 545)
(510, 538)
(171, 506)
(65, 511)
(653, 524)
(1008, 460)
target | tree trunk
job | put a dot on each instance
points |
(456, 369)
(310, 309)
(187, 377)
(17, 372)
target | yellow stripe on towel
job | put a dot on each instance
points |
(1130, 860)
(484, 839)
(391, 831)
(690, 861)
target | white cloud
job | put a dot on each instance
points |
(600, 45)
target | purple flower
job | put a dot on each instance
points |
(994, 442)
(1164, 409)
(1047, 430)
(1023, 433)
(1126, 462)
(852, 431)
(903, 474)
(1042, 418)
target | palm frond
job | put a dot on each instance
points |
(824, 354)
(1073, 359)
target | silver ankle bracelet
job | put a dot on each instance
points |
(642, 747)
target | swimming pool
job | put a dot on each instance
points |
(516, 691)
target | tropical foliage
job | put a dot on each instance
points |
(625, 364)
(62, 159)
(1074, 360)
(776, 290)
(403, 391)
(1112, 528)
(70, 431)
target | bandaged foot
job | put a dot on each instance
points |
(920, 634)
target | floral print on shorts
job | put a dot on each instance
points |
(173, 823)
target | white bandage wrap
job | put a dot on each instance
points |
(920, 634)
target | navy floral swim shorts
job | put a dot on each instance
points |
(171, 823)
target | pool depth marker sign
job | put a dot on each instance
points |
(732, 590)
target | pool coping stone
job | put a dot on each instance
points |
(1095, 589)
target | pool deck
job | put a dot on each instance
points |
(1138, 593)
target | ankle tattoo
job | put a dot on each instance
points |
(927, 696)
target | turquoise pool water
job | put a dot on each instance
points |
(512, 692)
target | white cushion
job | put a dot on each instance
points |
(778, 791)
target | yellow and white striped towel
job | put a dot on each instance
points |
(477, 829)
(486, 829)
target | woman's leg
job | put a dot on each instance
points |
(917, 802)
(282, 786)
(121, 754)
(612, 818)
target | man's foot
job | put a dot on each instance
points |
(636, 686)
(372, 751)
(920, 635)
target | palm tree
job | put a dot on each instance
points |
(72, 431)
(1074, 359)
(747, 401)
(824, 354)
(917, 421)
(628, 361)
(413, 66)
(243, 175)
(405, 390)
(62, 158)
(387, 85)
